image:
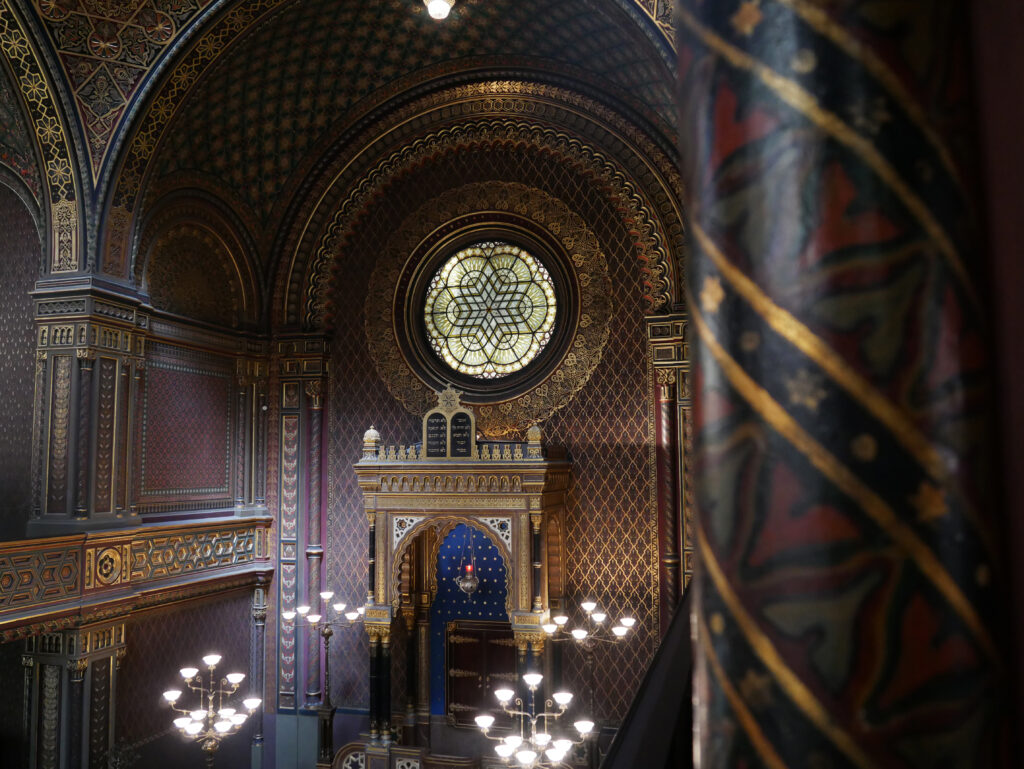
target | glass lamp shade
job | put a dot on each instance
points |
(339, 607)
(599, 617)
(525, 757)
(513, 741)
(182, 722)
(541, 738)
(287, 616)
(588, 606)
(555, 755)
(222, 726)
(313, 618)
(627, 621)
(533, 679)
(579, 634)
(562, 745)
(351, 616)
(361, 609)
(226, 712)
(327, 595)
(560, 620)
(198, 715)
(484, 721)
(620, 631)
(549, 628)
(504, 750)
(303, 610)
(438, 9)
(252, 703)
(211, 659)
(187, 673)
(235, 678)
(563, 698)
(238, 719)
(503, 695)
(584, 727)
(171, 695)
(194, 728)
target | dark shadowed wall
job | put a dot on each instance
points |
(18, 269)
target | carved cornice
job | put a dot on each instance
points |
(60, 582)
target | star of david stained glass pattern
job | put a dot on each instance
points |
(490, 309)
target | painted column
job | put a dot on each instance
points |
(86, 359)
(846, 560)
(257, 668)
(314, 547)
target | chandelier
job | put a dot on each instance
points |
(439, 9)
(214, 716)
(532, 742)
(595, 629)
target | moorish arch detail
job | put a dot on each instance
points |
(630, 164)
(501, 204)
(658, 244)
(52, 138)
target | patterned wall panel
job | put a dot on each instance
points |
(16, 148)
(158, 646)
(606, 427)
(19, 267)
(186, 432)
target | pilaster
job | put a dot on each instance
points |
(90, 348)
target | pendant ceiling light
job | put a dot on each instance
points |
(438, 9)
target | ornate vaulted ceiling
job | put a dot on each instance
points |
(239, 110)
(267, 100)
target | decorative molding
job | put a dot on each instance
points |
(67, 579)
(584, 349)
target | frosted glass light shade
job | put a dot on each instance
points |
(588, 606)
(252, 703)
(533, 679)
(235, 678)
(438, 9)
(211, 659)
(187, 673)
(584, 727)
(171, 695)
(563, 698)
(484, 721)
(503, 695)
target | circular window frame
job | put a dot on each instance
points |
(442, 244)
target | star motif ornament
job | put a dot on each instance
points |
(490, 310)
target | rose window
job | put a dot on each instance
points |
(490, 309)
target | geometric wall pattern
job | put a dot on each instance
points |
(186, 432)
(106, 50)
(18, 270)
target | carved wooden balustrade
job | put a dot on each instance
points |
(60, 582)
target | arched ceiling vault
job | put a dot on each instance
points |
(246, 109)
(625, 165)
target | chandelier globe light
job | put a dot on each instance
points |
(214, 716)
(531, 744)
(439, 9)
